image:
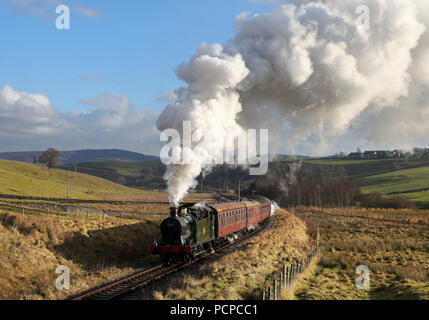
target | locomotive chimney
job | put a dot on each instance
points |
(173, 212)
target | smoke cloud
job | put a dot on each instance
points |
(313, 76)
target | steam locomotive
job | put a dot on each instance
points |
(195, 229)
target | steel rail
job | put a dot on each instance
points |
(143, 278)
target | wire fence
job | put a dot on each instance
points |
(284, 279)
(74, 209)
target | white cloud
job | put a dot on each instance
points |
(29, 122)
(23, 114)
(87, 12)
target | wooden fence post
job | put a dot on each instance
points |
(287, 277)
(280, 285)
(275, 289)
(284, 276)
(23, 213)
(263, 295)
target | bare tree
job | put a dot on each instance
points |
(50, 157)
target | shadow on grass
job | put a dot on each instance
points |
(121, 247)
(398, 292)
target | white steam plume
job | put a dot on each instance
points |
(307, 72)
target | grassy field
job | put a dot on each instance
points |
(397, 181)
(358, 168)
(396, 253)
(18, 178)
(129, 169)
(96, 251)
(386, 176)
(147, 175)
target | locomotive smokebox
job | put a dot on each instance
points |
(173, 212)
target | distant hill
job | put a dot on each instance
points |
(79, 156)
(23, 179)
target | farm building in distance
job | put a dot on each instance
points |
(386, 154)
(379, 154)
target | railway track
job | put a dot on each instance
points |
(133, 282)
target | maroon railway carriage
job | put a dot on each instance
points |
(193, 229)
(231, 217)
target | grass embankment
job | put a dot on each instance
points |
(97, 251)
(22, 179)
(396, 253)
(243, 273)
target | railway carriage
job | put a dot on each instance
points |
(194, 229)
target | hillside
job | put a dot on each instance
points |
(17, 178)
(362, 168)
(77, 156)
(146, 175)
(410, 183)
(408, 177)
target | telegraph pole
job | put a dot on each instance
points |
(72, 179)
(68, 182)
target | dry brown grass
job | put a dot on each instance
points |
(396, 253)
(243, 273)
(96, 251)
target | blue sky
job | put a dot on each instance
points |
(99, 85)
(130, 48)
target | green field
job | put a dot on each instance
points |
(390, 177)
(397, 181)
(361, 168)
(18, 178)
(400, 183)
